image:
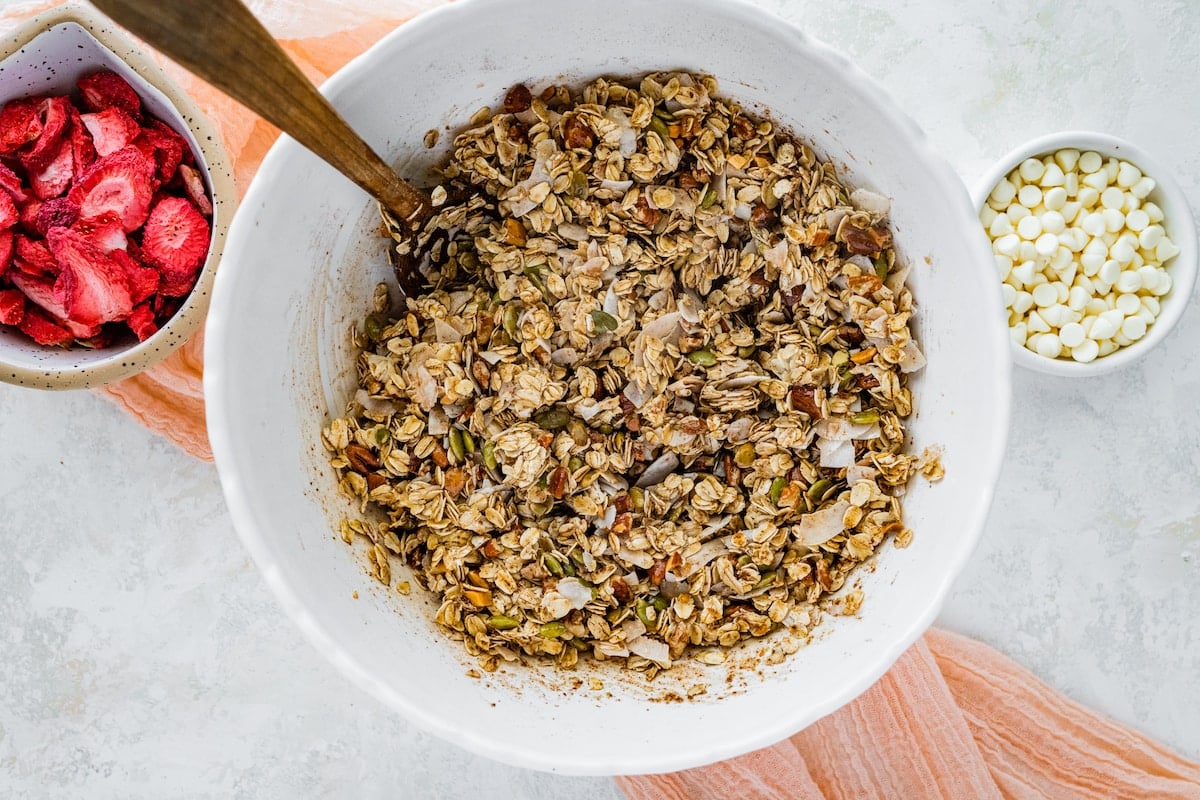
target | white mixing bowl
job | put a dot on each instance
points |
(305, 252)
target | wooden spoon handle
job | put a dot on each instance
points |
(222, 42)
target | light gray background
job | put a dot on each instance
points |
(141, 655)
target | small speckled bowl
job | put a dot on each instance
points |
(47, 56)
(1177, 221)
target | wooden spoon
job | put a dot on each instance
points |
(222, 42)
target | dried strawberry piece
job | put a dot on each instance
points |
(32, 257)
(95, 288)
(6, 252)
(38, 326)
(119, 182)
(43, 293)
(143, 281)
(12, 186)
(107, 89)
(29, 211)
(175, 241)
(20, 124)
(104, 231)
(193, 185)
(12, 306)
(59, 212)
(8, 211)
(82, 147)
(57, 175)
(141, 322)
(163, 146)
(110, 129)
(55, 114)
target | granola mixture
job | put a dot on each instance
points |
(653, 400)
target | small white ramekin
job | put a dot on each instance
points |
(1177, 221)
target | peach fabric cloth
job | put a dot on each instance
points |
(952, 719)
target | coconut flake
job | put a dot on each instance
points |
(578, 594)
(588, 409)
(639, 558)
(439, 423)
(911, 357)
(374, 405)
(610, 303)
(821, 526)
(739, 430)
(651, 649)
(572, 232)
(835, 454)
(873, 203)
(859, 472)
(635, 394)
(628, 141)
(445, 332)
(633, 628)
(565, 356)
(425, 388)
(777, 255)
(616, 186)
(658, 470)
(491, 357)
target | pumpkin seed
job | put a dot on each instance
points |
(512, 312)
(777, 489)
(499, 622)
(552, 630)
(868, 417)
(553, 419)
(703, 358)
(456, 444)
(603, 321)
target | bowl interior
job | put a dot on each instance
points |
(305, 253)
(1177, 222)
(51, 63)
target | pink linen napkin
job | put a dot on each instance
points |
(952, 719)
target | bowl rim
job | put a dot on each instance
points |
(1182, 232)
(256, 538)
(139, 356)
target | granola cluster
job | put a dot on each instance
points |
(652, 399)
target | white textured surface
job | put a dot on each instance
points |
(141, 656)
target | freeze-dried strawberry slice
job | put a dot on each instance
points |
(6, 252)
(119, 182)
(33, 257)
(95, 288)
(193, 184)
(82, 147)
(57, 213)
(12, 186)
(12, 306)
(141, 322)
(19, 124)
(162, 145)
(55, 113)
(175, 240)
(143, 281)
(104, 231)
(8, 211)
(38, 326)
(111, 129)
(106, 89)
(57, 175)
(43, 293)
